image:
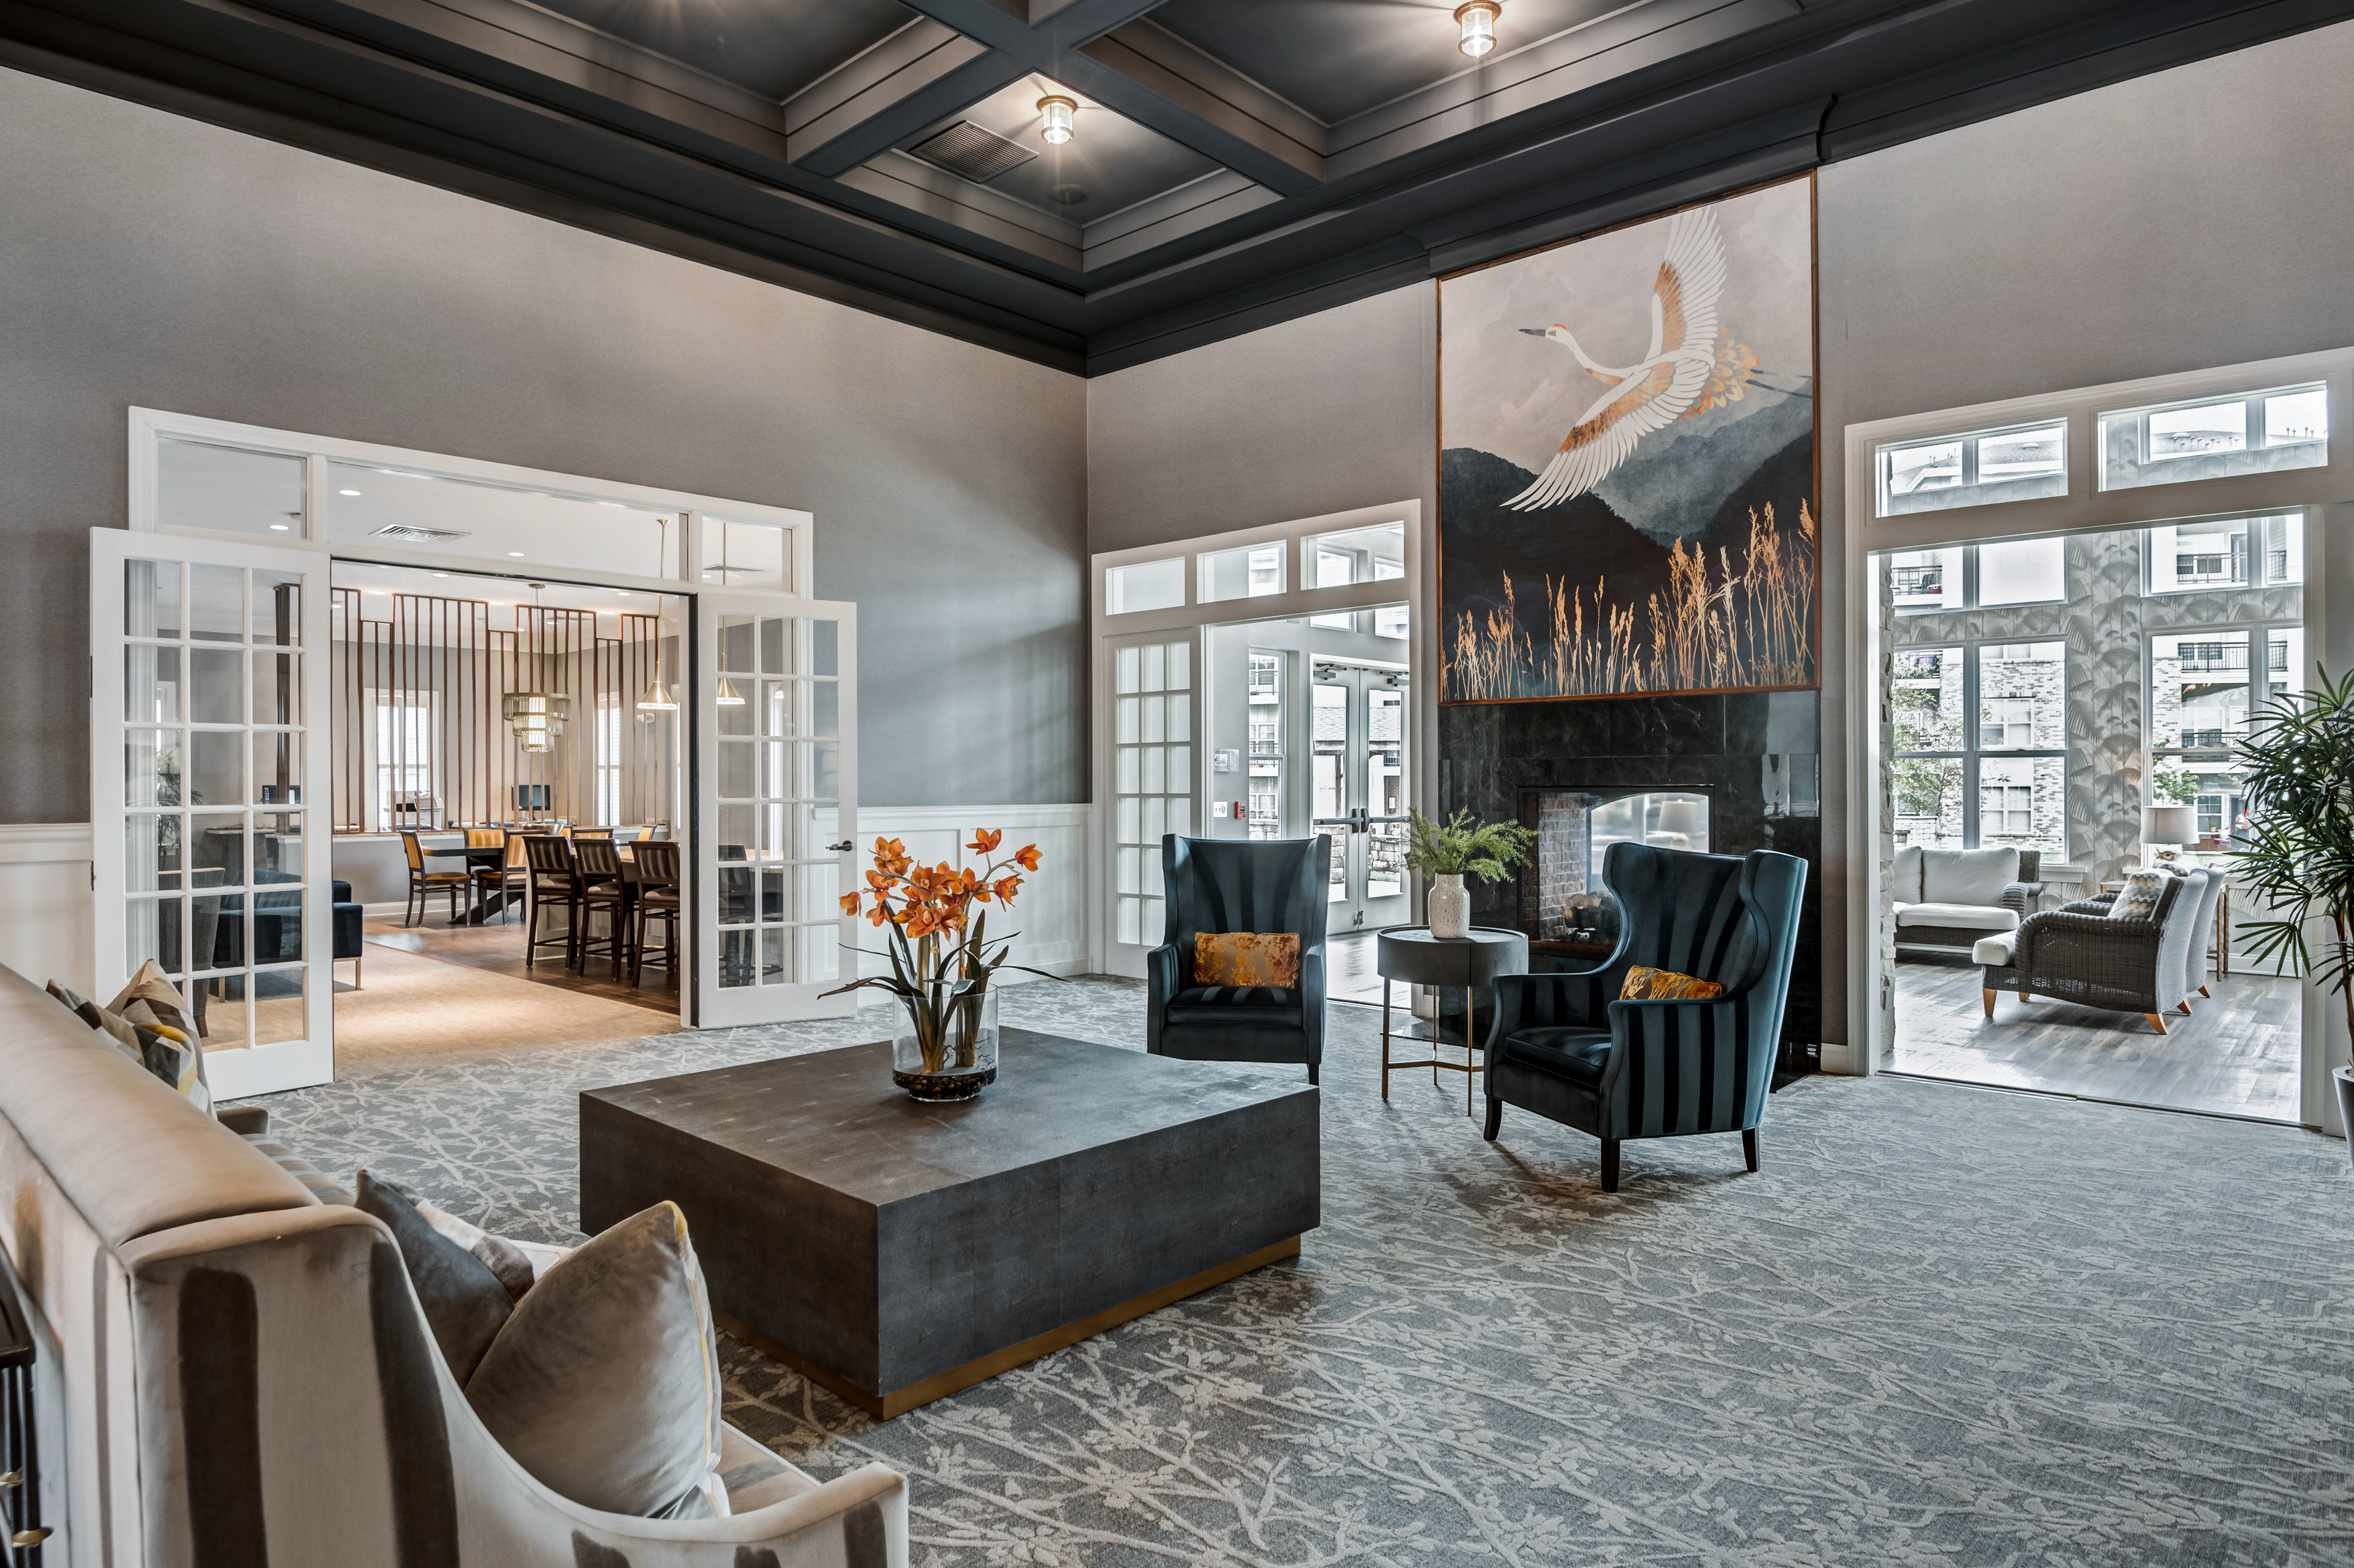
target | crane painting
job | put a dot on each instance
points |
(1627, 493)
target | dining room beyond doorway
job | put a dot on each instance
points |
(507, 810)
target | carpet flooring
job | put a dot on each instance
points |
(1942, 1326)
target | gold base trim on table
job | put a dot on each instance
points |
(980, 1369)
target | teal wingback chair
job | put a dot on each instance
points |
(1218, 885)
(1566, 1047)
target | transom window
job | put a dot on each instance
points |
(2026, 462)
(2214, 437)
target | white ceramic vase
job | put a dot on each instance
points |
(1448, 908)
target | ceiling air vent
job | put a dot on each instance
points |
(403, 532)
(970, 152)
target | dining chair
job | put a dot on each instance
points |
(602, 892)
(605, 833)
(658, 899)
(421, 883)
(549, 861)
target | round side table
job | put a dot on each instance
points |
(1466, 963)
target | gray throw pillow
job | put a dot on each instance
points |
(464, 1303)
(605, 1382)
(2138, 901)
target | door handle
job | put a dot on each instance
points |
(844, 847)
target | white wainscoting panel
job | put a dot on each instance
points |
(45, 884)
(45, 889)
(1050, 916)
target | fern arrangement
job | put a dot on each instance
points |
(1465, 846)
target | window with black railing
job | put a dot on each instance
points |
(2206, 689)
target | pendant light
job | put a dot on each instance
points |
(728, 695)
(658, 696)
(1478, 20)
(536, 717)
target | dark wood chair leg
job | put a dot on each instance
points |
(1495, 1119)
(1311, 1073)
(1749, 1147)
(1610, 1165)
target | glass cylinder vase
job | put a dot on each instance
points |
(946, 1045)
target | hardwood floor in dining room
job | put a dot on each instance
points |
(500, 950)
(2236, 1054)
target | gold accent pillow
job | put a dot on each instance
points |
(1660, 985)
(1246, 958)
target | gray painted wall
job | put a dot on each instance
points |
(150, 260)
(2193, 217)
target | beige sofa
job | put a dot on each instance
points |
(235, 1374)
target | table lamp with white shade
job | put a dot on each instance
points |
(2164, 831)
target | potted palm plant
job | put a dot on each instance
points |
(1462, 845)
(2296, 853)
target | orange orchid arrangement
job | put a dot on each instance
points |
(938, 918)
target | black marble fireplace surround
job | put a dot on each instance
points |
(1754, 754)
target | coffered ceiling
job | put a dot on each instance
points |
(1234, 162)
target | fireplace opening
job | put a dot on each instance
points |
(1571, 921)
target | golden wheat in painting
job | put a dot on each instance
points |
(1627, 459)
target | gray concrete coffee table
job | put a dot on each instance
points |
(896, 1252)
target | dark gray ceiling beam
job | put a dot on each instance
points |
(1572, 62)
(954, 77)
(1195, 118)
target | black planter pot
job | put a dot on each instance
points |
(2344, 1078)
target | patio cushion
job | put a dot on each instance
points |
(1968, 917)
(1967, 876)
(1995, 952)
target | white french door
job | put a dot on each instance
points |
(1153, 710)
(1359, 783)
(208, 772)
(777, 798)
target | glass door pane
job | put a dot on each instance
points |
(775, 705)
(1152, 728)
(205, 862)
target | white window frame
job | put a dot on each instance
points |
(1415, 586)
(2323, 496)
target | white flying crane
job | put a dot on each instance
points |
(1650, 394)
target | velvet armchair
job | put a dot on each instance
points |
(1567, 1047)
(1267, 886)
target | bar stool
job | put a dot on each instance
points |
(658, 899)
(549, 861)
(511, 878)
(602, 892)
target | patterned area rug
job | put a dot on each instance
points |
(1942, 1326)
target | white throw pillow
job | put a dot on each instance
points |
(1967, 876)
(1907, 875)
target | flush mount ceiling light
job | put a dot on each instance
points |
(1478, 20)
(1059, 113)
